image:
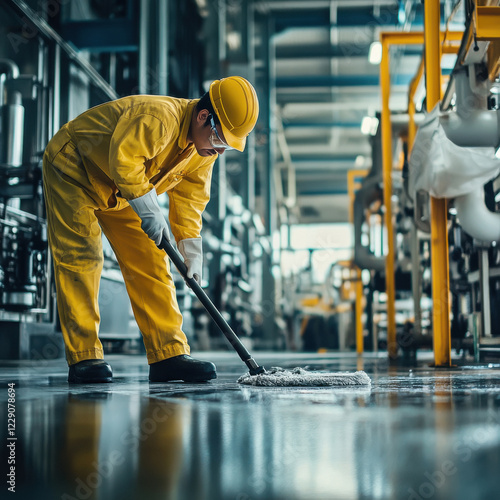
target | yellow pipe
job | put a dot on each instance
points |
(487, 21)
(359, 312)
(416, 37)
(352, 185)
(387, 39)
(351, 188)
(494, 59)
(439, 211)
(385, 86)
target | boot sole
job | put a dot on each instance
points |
(197, 380)
(78, 380)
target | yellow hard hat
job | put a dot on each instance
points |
(237, 107)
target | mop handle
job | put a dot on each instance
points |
(243, 353)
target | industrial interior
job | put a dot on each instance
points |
(357, 231)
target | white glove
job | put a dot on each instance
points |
(152, 221)
(191, 250)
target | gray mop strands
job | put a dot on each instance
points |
(298, 377)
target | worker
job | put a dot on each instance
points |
(103, 171)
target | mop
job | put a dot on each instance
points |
(299, 377)
(258, 375)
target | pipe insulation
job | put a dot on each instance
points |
(369, 192)
(9, 67)
(475, 218)
(472, 125)
(445, 169)
(454, 156)
(12, 130)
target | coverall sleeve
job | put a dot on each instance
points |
(188, 200)
(135, 139)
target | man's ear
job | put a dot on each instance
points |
(203, 114)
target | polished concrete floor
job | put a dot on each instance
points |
(416, 433)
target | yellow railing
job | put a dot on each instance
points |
(405, 38)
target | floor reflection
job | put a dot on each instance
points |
(413, 434)
(99, 446)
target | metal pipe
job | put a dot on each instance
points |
(143, 48)
(475, 218)
(369, 192)
(439, 210)
(363, 257)
(473, 125)
(416, 281)
(56, 85)
(418, 214)
(42, 129)
(412, 128)
(163, 49)
(484, 281)
(8, 69)
(41, 28)
(12, 129)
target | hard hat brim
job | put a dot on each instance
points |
(235, 142)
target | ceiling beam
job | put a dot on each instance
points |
(307, 51)
(338, 81)
(330, 125)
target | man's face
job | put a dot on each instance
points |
(201, 133)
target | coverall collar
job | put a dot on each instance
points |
(186, 122)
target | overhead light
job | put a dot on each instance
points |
(369, 125)
(402, 13)
(359, 161)
(366, 125)
(233, 39)
(375, 53)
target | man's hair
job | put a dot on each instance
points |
(206, 103)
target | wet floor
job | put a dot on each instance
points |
(415, 434)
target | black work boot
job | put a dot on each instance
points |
(90, 371)
(182, 367)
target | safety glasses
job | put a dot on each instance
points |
(215, 140)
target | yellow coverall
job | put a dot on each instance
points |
(110, 154)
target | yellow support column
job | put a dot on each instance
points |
(439, 210)
(385, 84)
(352, 187)
(359, 312)
(387, 39)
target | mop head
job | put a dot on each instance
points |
(298, 377)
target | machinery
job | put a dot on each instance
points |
(26, 301)
(452, 158)
(48, 76)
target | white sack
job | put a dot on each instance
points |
(443, 169)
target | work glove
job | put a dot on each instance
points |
(192, 252)
(152, 221)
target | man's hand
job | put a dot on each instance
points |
(191, 250)
(152, 221)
